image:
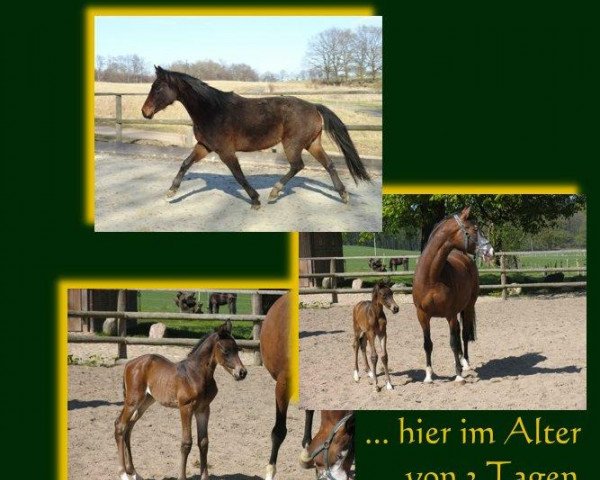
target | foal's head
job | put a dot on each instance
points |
(383, 295)
(226, 352)
(162, 94)
(467, 237)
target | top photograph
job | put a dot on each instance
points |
(269, 124)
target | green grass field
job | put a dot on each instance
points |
(549, 260)
(162, 301)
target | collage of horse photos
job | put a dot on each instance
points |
(193, 382)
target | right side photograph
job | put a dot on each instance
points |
(472, 301)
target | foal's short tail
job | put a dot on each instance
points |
(469, 325)
(338, 132)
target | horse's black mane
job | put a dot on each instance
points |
(201, 342)
(210, 95)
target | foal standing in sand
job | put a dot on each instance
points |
(227, 123)
(188, 385)
(446, 284)
(370, 322)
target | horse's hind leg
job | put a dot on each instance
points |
(233, 163)
(427, 343)
(197, 154)
(294, 156)
(384, 360)
(317, 151)
(202, 417)
(456, 346)
(468, 333)
(374, 357)
(356, 346)
(279, 431)
(307, 437)
(137, 414)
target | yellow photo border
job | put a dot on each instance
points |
(482, 188)
(62, 285)
(91, 12)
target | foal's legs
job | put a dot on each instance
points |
(456, 346)
(427, 343)
(356, 345)
(384, 360)
(186, 412)
(198, 153)
(374, 357)
(233, 163)
(363, 347)
(137, 414)
(293, 153)
(279, 431)
(202, 430)
(317, 151)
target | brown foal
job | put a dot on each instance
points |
(370, 323)
(188, 385)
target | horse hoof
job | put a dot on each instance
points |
(370, 374)
(428, 380)
(356, 377)
(377, 388)
(305, 456)
(459, 380)
(389, 386)
(171, 193)
(345, 197)
(270, 475)
(255, 206)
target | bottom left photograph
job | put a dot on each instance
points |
(190, 383)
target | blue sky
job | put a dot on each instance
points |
(265, 43)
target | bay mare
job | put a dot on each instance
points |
(226, 123)
(446, 284)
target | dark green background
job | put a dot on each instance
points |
(500, 91)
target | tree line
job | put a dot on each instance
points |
(334, 56)
(511, 222)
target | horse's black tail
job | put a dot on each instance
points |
(338, 132)
(469, 325)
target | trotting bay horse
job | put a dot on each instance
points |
(370, 323)
(274, 341)
(331, 451)
(446, 284)
(188, 385)
(215, 300)
(226, 123)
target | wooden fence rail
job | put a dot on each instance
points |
(119, 121)
(503, 271)
(122, 340)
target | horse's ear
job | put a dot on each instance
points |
(158, 70)
(225, 329)
(465, 213)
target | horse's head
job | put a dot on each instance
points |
(382, 293)
(161, 95)
(226, 352)
(468, 237)
(330, 452)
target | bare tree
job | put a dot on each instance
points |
(329, 55)
(367, 48)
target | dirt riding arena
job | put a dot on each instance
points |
(131, 188)
(530, 353)
(242, 416)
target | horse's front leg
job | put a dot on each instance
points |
(202, 429)
(198, 153)
(424, 321)
(279, 431)
(233, 163)
(374, 357)
(186, 412)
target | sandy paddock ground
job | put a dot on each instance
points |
(242, 416)
(130, 196)
(530, 353)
